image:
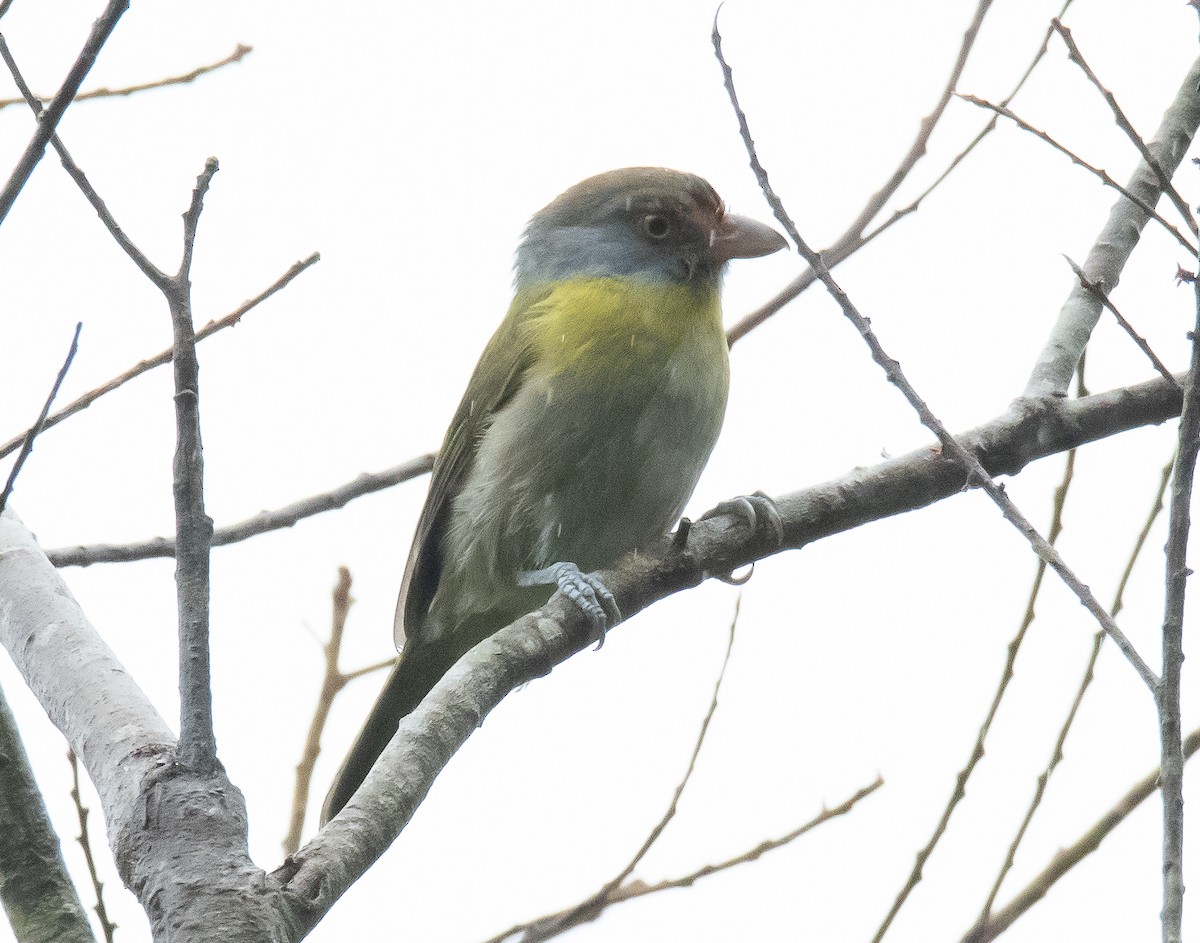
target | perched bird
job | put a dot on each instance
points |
(584, 427)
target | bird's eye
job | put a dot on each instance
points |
(657, 227)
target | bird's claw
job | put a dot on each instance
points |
(754, 510)
(588, 592)
(736, 580)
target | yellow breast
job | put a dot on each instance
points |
(637, 327)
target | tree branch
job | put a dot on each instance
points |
(1070, 856)
(324, 868)
(229, 320)
(587, 910)
(124, 744)
(1126, 408)
(977, 473)
(1123, 122)
(86, 692)
(148, 268)
(261, 523)
(1104, 263)
(193, 528)
(38, 894)
(1056, 753)
(1128, 328)
(238, 54)
(48, 121)
(40, 423)
(83, 813)
(853, 239)
(1167, 692)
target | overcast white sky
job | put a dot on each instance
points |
(409, 144)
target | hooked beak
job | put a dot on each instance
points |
(739, 237)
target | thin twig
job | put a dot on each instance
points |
(48, 122)
(589, 909)
(237, 55)
(977, 751)
(39, 424)
(148, 268)
(1113, 246)
(1066, 858)
(852, 239)
(369, 669)
(977, 475)
(673, 808)
(1099, 172)
(331, 685)
(229, 320)
(920, 144)
(1164, 180)
(974, 143)
(545, 928)
(287, 516)
(81, 812)
(1088, 675)
(1103, 298)
(197, 749)
(1167, 692)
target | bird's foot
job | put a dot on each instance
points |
(586, 590)
(756, 511)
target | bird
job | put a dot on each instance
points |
(583, 429)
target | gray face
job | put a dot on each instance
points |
(647, 222)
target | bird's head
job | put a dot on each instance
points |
(646, 222)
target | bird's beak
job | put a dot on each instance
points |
(739, 237)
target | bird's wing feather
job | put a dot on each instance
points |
(496, 379)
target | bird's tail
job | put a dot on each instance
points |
(418, 670)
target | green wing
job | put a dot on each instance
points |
(497, 377)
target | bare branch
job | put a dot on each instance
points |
(48, 122)
(370, 669)
(974, 143)
(197, 750)
(1070, 856)
(852, 239)
(1006, 675)
(1144, 205)
(36, 890)
(1167, 692)
(85, 691)
(977, 474)
(364, 484)
(428, 737)
(1056, 754)
(1164, 179)
(1051, 375)
(1125, 325)
(148, 268)
(331, 685)
(554, 925)
(229, 320)
(39, 424)
(138, 743)
(237, 55)
(551, 925)
(85, 842)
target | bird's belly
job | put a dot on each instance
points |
(585, 467)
